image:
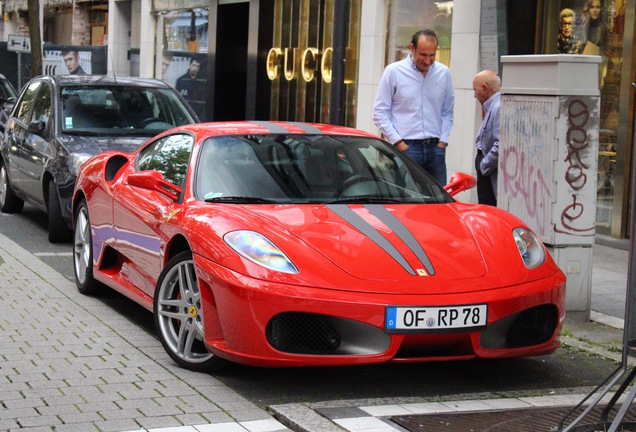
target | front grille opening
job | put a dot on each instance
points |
(530, 327)
(533, 326)
(316, 334)
(302, 333)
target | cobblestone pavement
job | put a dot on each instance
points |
(71, 363)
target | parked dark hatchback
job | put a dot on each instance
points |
(59, 122)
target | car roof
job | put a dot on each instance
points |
(268, 127)
(88, 80)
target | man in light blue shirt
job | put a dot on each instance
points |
(414, 105)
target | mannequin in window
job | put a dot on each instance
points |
(567, 41)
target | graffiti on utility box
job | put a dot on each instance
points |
(548, 163)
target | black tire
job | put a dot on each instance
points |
(9, 201)
(83, 252)
(58, 230)
(179, 317)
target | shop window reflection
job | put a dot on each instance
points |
(408, 16)
(184, 61)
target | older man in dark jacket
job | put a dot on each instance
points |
(486, 85)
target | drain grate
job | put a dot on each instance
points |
(525, 420)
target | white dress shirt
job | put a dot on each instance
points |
(411, 106)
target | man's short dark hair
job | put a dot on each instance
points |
(429, 34)
(75, 53)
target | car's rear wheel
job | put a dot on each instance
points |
(9, 202)
(178, 315)
(58, 231)
(83, 252)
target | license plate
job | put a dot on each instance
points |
(423, 319)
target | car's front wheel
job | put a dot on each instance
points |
(178, 315)
(58, 231)
(83, 252)
(9, 202)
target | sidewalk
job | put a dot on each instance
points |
(71, 362)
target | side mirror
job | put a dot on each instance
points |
(36, 127)
(154, 181)
(460, 182)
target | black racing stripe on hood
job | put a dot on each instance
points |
(365, 228)
(272, 127)
(388, 219)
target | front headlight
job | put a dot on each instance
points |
(258, 249)
(530, 247)
(75, 161)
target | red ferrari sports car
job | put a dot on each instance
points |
(292, 244)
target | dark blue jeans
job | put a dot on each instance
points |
(430, 157)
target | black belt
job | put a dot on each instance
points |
(425, 141)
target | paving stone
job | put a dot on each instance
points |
(159, 422)
(115, 413)
(40, 420)
(63, 400)
(117, 425)
(87, 417)
(96, 406)
(58, 409)
(76, 427)
(24, 403)
(8, 424)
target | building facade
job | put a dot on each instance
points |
(302, 60)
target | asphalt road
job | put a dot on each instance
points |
(564, 369)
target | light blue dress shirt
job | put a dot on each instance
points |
(411, 106)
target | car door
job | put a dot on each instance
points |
(16, 134)
(35, 152)
(139, 213)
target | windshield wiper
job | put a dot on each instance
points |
(361, 199)
(81, 132)
(240, 200)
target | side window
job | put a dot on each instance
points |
(23, 109)
(170, 156)
(42, 105)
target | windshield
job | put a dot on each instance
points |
(114, 110)
(312, 169)
(6, 90)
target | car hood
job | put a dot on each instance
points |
(386, 242)
(392, 248)
(93, 145)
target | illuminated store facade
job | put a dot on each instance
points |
(300, 60)
(288, 77)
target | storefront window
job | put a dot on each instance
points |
(299, 64)
(595, 27)
(408, 16)
(184, 44)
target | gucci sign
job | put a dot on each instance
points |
(308, 61)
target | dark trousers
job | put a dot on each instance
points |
(485, 191)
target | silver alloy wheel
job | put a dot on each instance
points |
(82, 245)
(179, 314)
(3, 184)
